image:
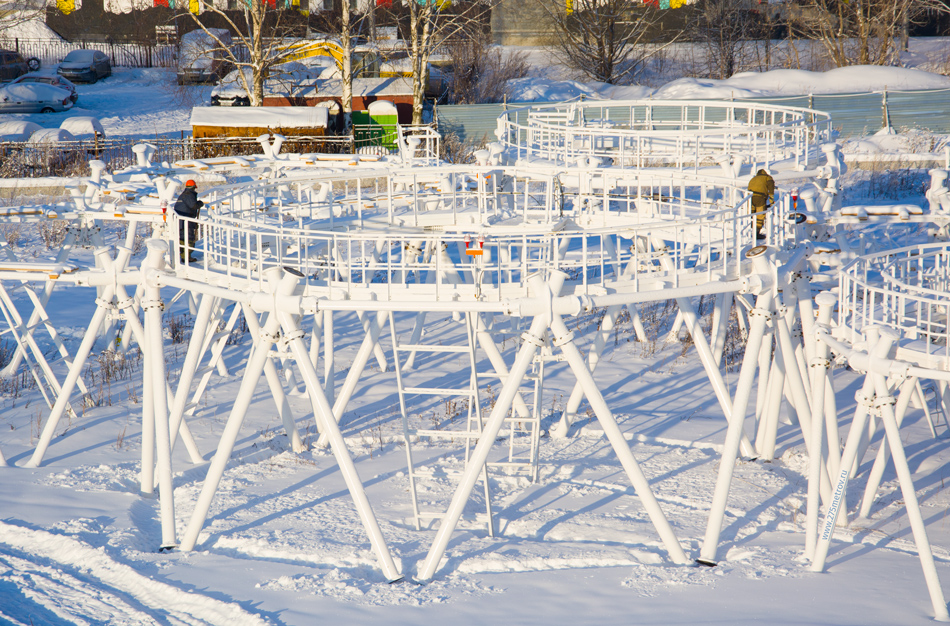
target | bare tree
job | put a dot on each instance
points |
(261, 37)
(433, 23)
(606, 40)
(724, 29)
(860, 32)
(480, 72)
(16, 12)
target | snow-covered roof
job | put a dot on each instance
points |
(397, 86)
(260, 117)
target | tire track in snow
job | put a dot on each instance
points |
(83, 585)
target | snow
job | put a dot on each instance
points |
(30, 29)
(17, 130)
(267, 117)
(51, 135)
(83, 126)
(855, 79)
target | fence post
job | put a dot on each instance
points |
(887, 117)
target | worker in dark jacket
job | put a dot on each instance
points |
(189, 206)
(762, 187)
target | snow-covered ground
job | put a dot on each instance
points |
(283, 544)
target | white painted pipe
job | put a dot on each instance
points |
(577, 393)
(564, 339)
(819, 366)
(153, 307)
(88, 340)
(691, 320)
(329, 428)
(367, 348)
(232, 429)
(276, 387)
(190, 364)
(906, 480)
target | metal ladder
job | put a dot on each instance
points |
(932, 402)
(473, 422)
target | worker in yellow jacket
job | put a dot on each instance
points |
(762, 187)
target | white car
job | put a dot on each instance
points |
(34, 98)
(283, 79)
(49, 79)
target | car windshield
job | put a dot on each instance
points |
(79, 56)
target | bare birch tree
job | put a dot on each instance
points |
(263, 33)
(16, 12)
(860, 32)
(606, 40)
(432, 23)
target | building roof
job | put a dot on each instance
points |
(260, 117)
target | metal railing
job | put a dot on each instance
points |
(473, 234)
(681, 134)
(907, 290)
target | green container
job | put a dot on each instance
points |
(374, 130)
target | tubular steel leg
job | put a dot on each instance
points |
(276, 388)
(759, 317)
(564, 339)
(329, 427)
(153, 307)
(819, 368)
(56, 413)
(720, 388)
(367, 348)
(892, 431)
(232, 429)
(577, 394)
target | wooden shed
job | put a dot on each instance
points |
(257, 121)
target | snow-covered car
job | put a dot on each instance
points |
(201, 58)
(85, 66)
(50, 135)
(17, 130)
(49, 79)
(283, 80)
(83, 127)
(33, 98)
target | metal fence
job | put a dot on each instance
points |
(139, 54)
(853, 115)
(26, 160)
(129, 54)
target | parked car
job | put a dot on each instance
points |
(85, 66)
(33, 98)
(17, 130)
(12, 65)
(201, 56)
(49, 79)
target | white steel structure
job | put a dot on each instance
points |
(531, 235)
(682, 134)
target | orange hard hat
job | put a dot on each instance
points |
(190, 183)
